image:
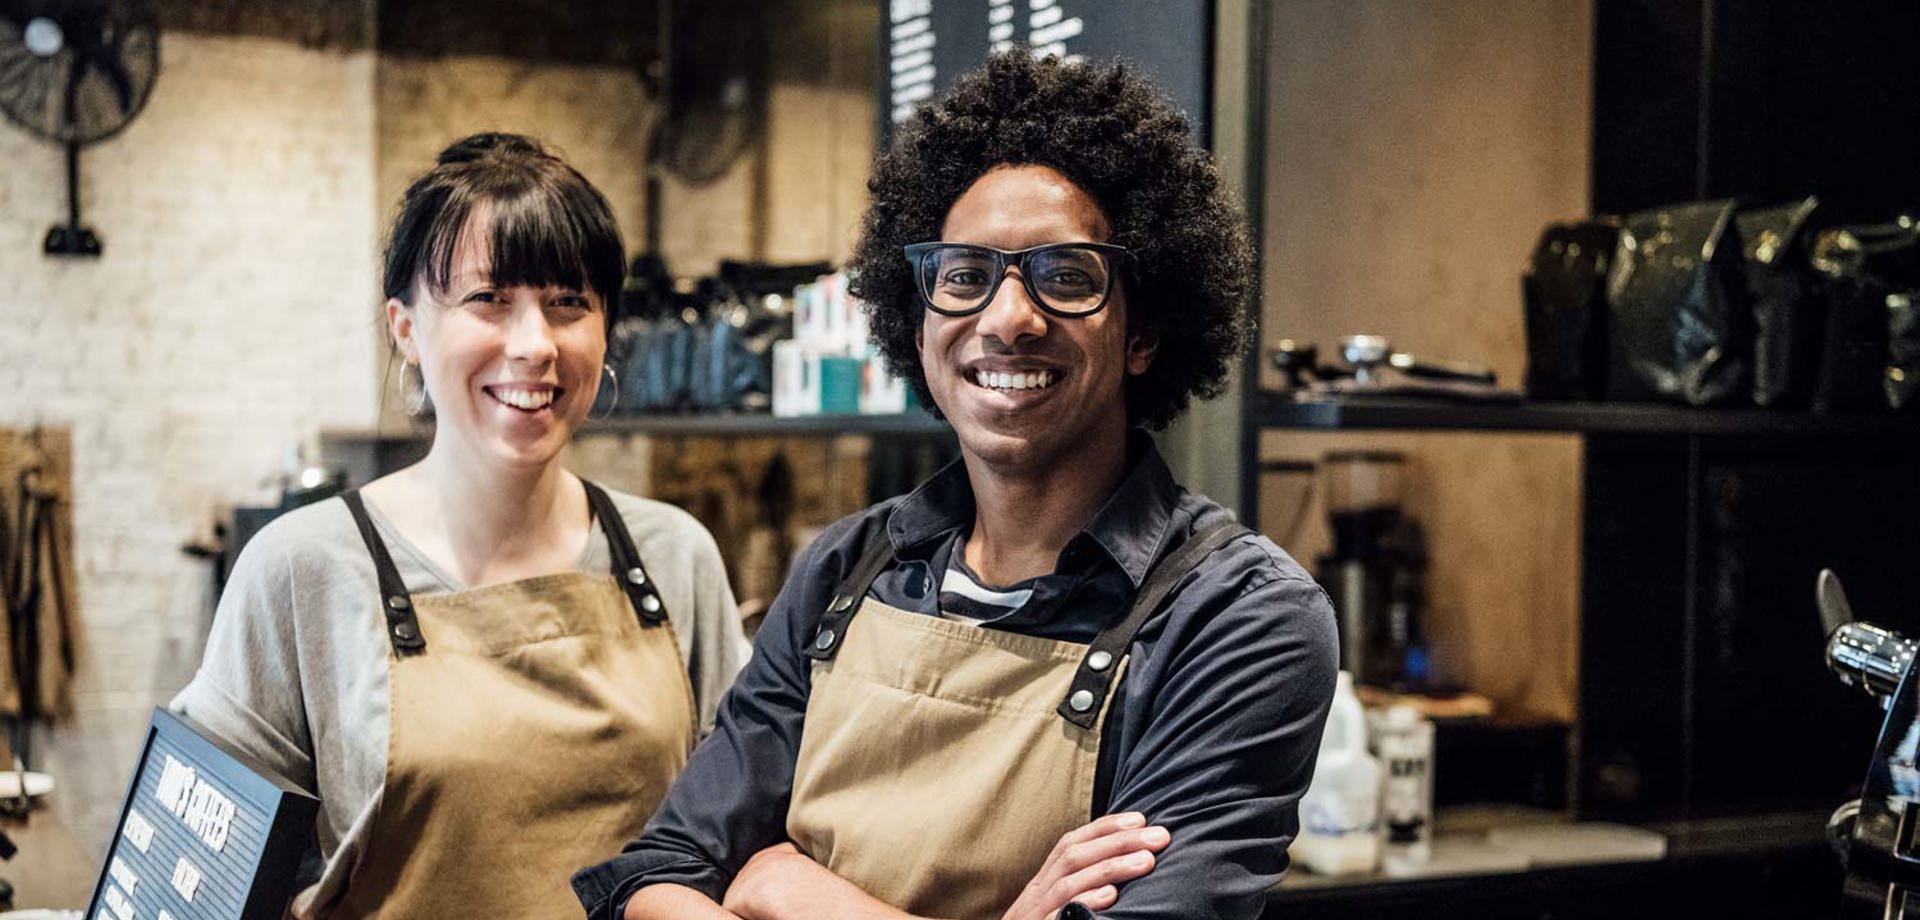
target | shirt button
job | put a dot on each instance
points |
(825, 640)
(841, 603)
(1081, 700)
(915, 584)
(1098, 661)
(399, 602)
(649, 603)
(405, 632)
(636, 577)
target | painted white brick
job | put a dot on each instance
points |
(224, 322)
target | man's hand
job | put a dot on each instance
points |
(1088, 864)
(767, 879)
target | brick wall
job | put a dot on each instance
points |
(229, 318)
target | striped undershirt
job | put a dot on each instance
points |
(964, 599)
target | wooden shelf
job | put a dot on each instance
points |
(738, 425)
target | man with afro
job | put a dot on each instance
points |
(1050, 682)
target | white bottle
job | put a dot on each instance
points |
(1340, 814)
(1404, 740)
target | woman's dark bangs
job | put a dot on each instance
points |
(443, 238)
(535, 241)
(535, 237)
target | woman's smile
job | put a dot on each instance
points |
(522, 397)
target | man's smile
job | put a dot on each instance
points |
(999, 380)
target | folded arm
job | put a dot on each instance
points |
(1221, 745)
(1087, 865)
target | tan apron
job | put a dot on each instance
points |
(535, 728)
(940, 761)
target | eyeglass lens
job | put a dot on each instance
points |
(1068, 279)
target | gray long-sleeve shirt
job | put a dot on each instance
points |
(295, 671)
(1213, 730)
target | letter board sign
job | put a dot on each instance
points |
(925, 43)
(205, 833)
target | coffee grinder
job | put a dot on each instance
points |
(1376, 570)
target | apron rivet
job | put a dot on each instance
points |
(636, 577)
(841, 603)
(649, 603)
(405, 632)
(825, 640)
(399, 602)
(1099, 661)
(1081, 700)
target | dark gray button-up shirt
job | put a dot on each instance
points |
(1213, 731)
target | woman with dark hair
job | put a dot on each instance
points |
(1050, 682)
(488, 668)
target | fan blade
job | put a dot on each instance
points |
(107, 61)
(13, 60)
(37, 87)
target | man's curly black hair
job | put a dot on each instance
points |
(1106, 128)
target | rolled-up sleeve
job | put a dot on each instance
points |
(731, 801)
(248, 688)
(1231, 705)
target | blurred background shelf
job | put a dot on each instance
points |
(730, 425)
(1700, 532)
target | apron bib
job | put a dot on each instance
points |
(941, 762)
(535, 726)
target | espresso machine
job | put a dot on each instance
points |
(1877, 836)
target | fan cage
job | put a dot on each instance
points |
(114, 50)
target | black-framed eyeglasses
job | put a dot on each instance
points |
(1065, 279)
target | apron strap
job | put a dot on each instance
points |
(1093, 679)
(627, 570)
(403, 628)
(847, 597)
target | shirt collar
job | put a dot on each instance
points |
(1129, 527)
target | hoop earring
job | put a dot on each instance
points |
(607, 377)
(414, 399)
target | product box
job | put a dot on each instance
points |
(840, 384)
(882, 393)
(796, 379)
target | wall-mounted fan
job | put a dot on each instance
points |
(714, 94)
(75, 72)
(709, 80)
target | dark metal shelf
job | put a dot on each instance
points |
(1281, 411)
(753, 425)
